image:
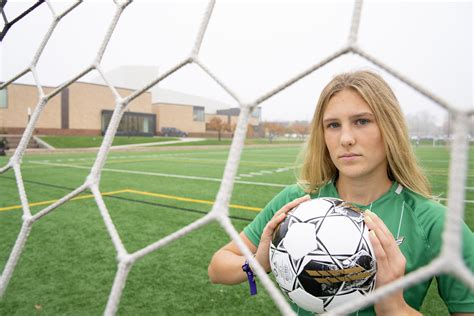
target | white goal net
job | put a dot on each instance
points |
(449, 261)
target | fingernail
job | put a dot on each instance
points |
(367, 217)
(372, 233)
(400, 240)
(371, 214)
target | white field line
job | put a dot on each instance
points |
(183, 177)
(261, 172)
(245, 175)
(145, 157)
(93, 158)
(272, 155)
(156, 174)
(115, 157)
(445, 199)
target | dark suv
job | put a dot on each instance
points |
(173, 131)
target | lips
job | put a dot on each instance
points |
(349, 155)
(349, 158)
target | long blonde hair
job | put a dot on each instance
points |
(317, 167)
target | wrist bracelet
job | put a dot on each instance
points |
(250, 277)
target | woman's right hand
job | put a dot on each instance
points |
(262, 254)
(226, 264)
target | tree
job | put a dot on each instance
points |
(273, 129)
(250, 131)
(232, 128)
(423, 125)
(216, 124)
(301, 128)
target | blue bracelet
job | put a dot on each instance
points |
(250, 277)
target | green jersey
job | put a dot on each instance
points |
(407, 214)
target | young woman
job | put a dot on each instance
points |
(359, 151)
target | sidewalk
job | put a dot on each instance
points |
(181, 140)
(136, 147)
(155, 146)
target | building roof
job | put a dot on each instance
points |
(168, 96)
(137, 76)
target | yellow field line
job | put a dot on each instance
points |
(163, 196)
(183, 199)
(82, 197)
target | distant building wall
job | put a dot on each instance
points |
(179, 116)
(21, 97)
(233, 116)
(76, 110)
(88, 100)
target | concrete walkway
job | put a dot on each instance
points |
(138, 147)
(181, 140)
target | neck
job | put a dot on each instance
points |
(362, 191)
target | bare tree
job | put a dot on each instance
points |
(216, 124)
(274, 129)
(301, 128)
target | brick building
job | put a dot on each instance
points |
(86, 108)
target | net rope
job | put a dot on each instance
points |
(449, 260)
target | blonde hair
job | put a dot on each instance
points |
(317, 167)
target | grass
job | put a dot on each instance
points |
(68, 264)
(226, 141)
(96, 141)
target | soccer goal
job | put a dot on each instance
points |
(449, 261)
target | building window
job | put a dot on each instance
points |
(256, 113)
(132, 123)
(198, 113)
(3, 98)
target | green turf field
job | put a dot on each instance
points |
(68, 264)
(90, 141)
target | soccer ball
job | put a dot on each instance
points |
(321, 255)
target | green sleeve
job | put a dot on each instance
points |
(457, 296)
(254, 230)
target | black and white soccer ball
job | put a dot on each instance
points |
(321, 254)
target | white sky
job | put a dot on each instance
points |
(253, 46)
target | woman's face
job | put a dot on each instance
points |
(353, 137)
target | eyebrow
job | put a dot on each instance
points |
(352, 117)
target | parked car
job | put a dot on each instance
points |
(173, 132)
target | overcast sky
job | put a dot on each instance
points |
(253, 46)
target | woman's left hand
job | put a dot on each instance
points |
(390, 266)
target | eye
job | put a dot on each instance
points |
(362, 121)
(332, 125)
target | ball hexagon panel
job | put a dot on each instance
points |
(293, 242)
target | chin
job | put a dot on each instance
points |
(351, 172)
(353, 176)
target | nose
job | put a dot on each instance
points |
(347, 137)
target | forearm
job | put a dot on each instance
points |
(408, 311)
(395, 306)
(226, 268)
